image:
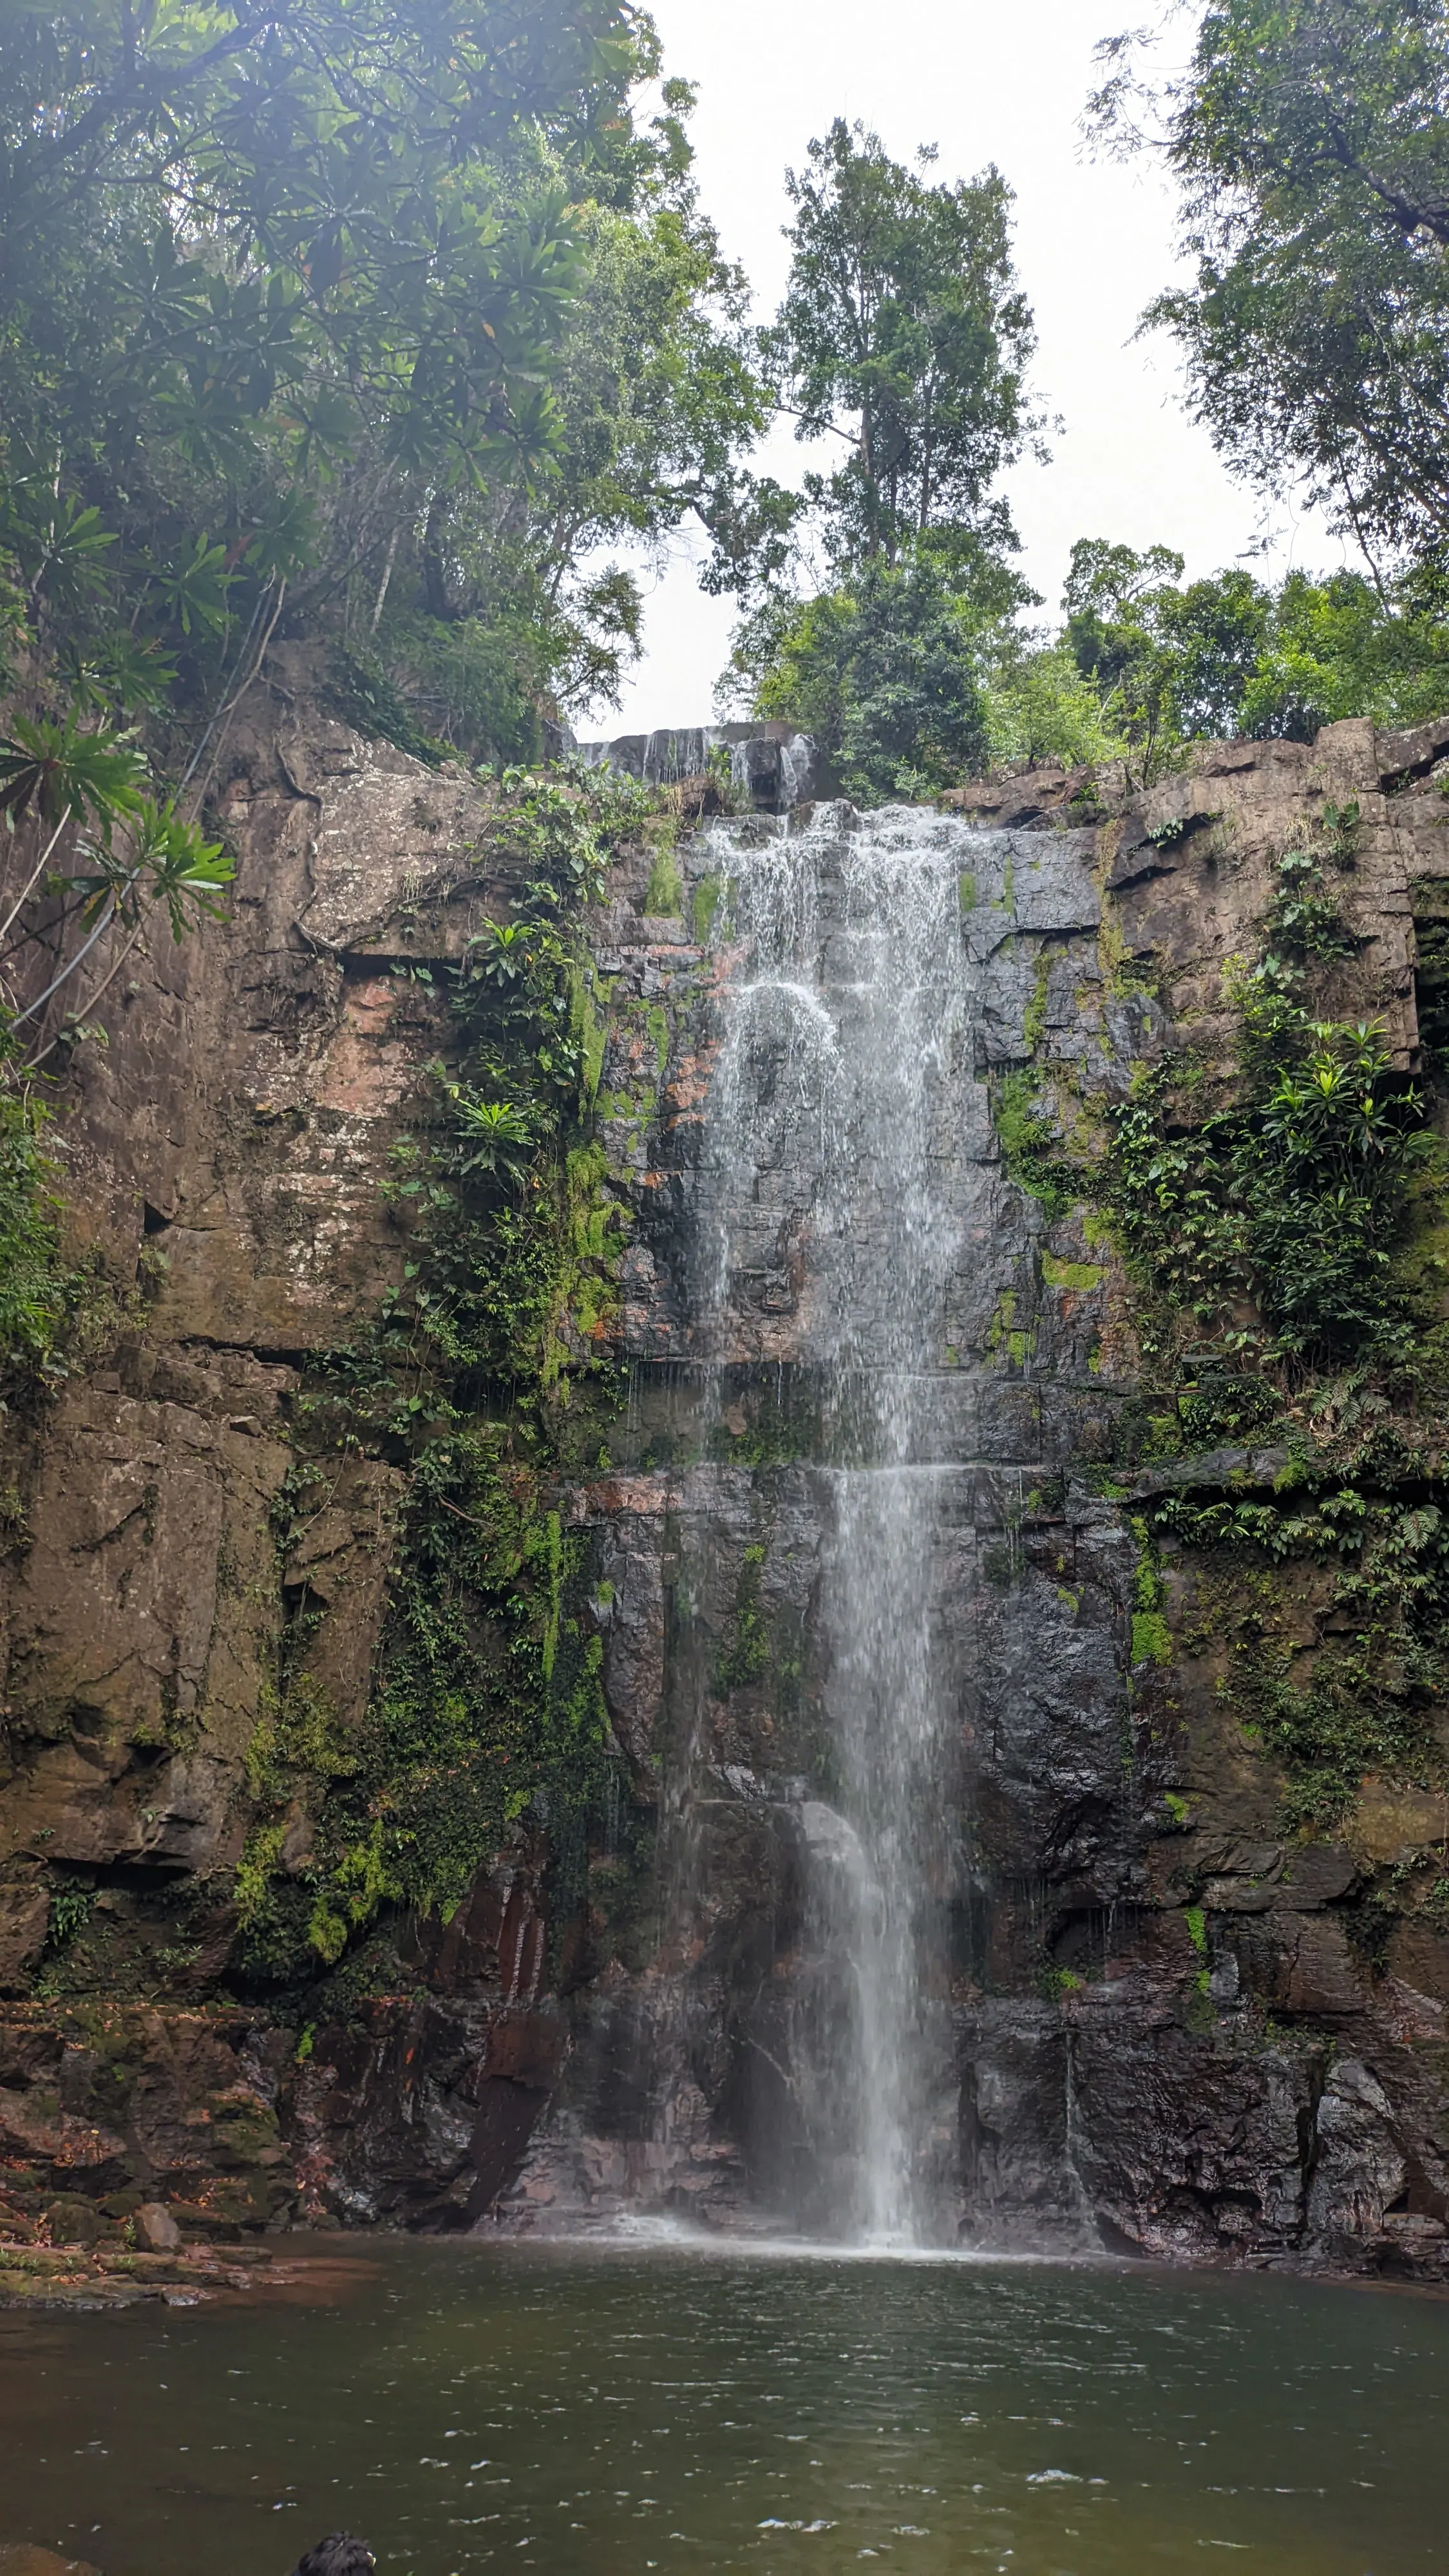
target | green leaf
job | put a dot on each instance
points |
(61, 769)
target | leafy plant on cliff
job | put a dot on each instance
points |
(1273, 1227)
(32, 1279)
(1368, 1698)
(483, 1379)
(1277, 1221)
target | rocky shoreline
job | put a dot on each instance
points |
(107, 2276)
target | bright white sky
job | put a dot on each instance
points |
(986, 82)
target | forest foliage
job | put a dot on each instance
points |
(1309, 140)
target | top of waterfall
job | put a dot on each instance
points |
(772, 764)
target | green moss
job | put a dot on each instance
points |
(586, 1027)
(966, 890)
(1196, 1922)
(33, 1280)
(327, 1932)
(776, 1437)
(1081, 1277)
(1057, 1983)
(260, 1856)
(1033, 1025)
(745, 1654)
(57, 1317)
(1151, 1637)
(664, 894)
(1029, 1142)
(544, 1544)
(297, 1740)
(656, 1020)
(705, 905)
(1151, 1640)
(1361, 1700)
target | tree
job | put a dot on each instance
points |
(1174, 662)
(1311, 142)
(904, 334)
(1231, 657)
(655, 395)
(378, 323)
(283, 292)
(274, 284)
(291, 214)
(1335, 648)
(884, 675)
(1040, 707)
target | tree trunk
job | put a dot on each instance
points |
(435, 582)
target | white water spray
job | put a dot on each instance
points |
(836, 1097)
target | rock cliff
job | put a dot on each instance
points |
(1199, 2009)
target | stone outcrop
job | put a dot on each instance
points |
(1182, 2028)
(224, 1159)
(1179, 2029)
(769, 766)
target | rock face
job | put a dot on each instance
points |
(1180, 2026)
(1180, 2021)
(226, 1153)
(770, 766)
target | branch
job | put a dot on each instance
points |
(154, 89)
(81, 954)
(210, 770)
(108, 978)
(817, 428)
(33, 880)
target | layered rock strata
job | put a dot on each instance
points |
(1181, 2025)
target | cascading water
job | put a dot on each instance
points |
(836, 1097)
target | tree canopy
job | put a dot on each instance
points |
(381, 319)
(1310, 139)
(1165, 662)
(370, 322)
(904, 334)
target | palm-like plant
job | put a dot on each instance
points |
(168, 863)
(61, 774)
(64, 773)
(499, 1137)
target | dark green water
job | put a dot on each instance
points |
(608, 2413)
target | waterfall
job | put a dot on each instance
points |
(828, 1225)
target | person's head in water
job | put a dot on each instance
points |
(339, 2554)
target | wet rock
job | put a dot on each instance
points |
(1358, 2169)
(156, 2229)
